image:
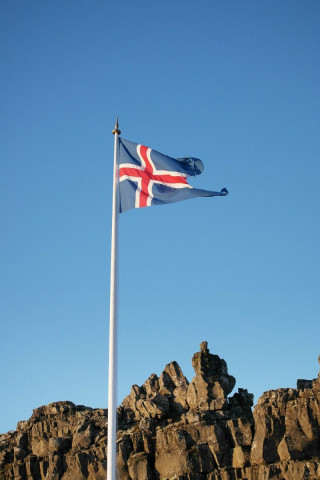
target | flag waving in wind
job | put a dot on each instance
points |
(149, 178)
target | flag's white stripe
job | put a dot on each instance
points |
(149, 199)
(173, 185)
(174, 174)
(149, 158)
(137, 199)
(140, 156)
(131, 165)
(129, 177)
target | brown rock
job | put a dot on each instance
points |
(139, 467)
(212, 383)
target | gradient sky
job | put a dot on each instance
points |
(235, 83)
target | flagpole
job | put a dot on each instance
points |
(113, 328)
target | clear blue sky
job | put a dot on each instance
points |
(235, 83)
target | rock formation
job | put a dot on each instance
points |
(170, 429)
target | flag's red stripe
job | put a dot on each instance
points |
(132, 172)
(169, 179)
(144, 194)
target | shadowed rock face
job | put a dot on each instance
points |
(170, 429)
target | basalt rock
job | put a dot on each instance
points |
(211, 385)
(170, 429)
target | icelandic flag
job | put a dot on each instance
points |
(147, 177)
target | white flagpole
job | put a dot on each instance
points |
(113, 329)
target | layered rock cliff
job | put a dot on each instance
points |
(170, 429)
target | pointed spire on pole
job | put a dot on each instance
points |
(116, 128)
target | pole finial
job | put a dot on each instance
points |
(116, 128)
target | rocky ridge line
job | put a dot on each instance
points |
(170, 429)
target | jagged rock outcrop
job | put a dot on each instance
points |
(170, 429)
(211, 385)
(60, 438)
